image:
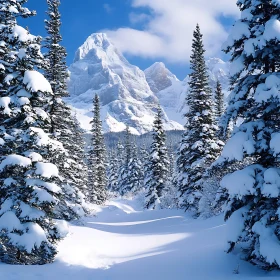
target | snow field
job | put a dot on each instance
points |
(123, 242)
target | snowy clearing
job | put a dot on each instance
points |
(123, 242)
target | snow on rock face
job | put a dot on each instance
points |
(123, 90)
(159, 77)
(218, 70)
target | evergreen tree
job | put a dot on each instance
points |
(199, 146)
(64, 127)
(115, 167)
(97, 180)
(124, 168)
(219, 100)
(156, 177)
(252, 191)
(134, 177)
(112, 173)
(78, 156)
(145, 160)
(127, 146)
(56, 70)
(30, 184)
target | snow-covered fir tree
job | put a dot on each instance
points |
(156, 177)
(219, 100)
(133, 179)
(56, 70)
(112, 172)
(97, 176)
(116, 161)
(252, 207)
(64, 127)
(199, 146)
(127, 146)
(144, 158)
(124, 167)
(30, 184)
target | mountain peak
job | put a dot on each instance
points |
(159, 77)
(97, 45)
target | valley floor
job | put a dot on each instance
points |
(124, 242)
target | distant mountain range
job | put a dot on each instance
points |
(129, 95)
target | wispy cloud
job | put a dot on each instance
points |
(168, 29)
(108, 8)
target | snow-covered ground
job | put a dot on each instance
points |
(124, 242)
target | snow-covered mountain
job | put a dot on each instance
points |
(218, 70)
(124, 92)
(129, 95)
(159, 77)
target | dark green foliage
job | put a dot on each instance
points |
(157, 174)
(97, 177)
(199, 146)
(219, 100)
(64, 126)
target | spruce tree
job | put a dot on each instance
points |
(133, 176)
(112, 173)
(115, 165)
(219, 100)
(199, 146)
(64, 127)
(124, 168)
(56, 70)
(127, 146)
(252, 191)
(30, 184)
(156, 177)
(97, 179)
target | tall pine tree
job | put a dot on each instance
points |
(97, 179)
(30, 184)
(156, 177)
(252, 191)
(199, 146)
(219, 100)
(112, 173)
(56, 71)
(64, 127)
(124, 168)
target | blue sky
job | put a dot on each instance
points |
(146, 32)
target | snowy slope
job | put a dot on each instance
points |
(124, 92)
(125, 243)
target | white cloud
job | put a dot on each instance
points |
(139, 18)
(169, 28)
